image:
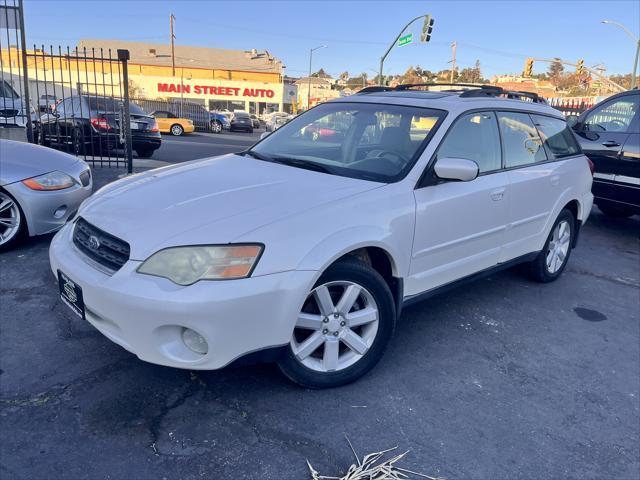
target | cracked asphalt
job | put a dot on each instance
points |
(500, 379)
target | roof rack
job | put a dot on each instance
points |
(467, 90)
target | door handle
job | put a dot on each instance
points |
(497, 195)
(610, 143)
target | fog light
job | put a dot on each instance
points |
(194, 341)
(60, 211)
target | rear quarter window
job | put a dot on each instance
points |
(556, 136)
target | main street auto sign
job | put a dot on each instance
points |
(216, 90)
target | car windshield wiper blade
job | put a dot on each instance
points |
(296, 162)
(257, 155)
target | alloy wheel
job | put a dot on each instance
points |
(176, 130)
(10, 218)
(558, 247)
(216, 127)
(336, 327)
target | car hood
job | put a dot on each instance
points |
(210, 201)
(20, 160)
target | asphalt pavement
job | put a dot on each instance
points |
(201, 145)
(500, 379)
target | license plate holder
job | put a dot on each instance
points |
(71, 294)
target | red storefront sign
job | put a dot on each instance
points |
(216, 90)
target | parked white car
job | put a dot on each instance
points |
(311, 249)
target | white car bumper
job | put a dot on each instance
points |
(147, 315)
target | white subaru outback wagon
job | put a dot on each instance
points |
(310, 243)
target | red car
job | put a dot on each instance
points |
(318, 133)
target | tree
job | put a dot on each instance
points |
(134, 91)
(344, 76)
(321, 74)
(556, 69)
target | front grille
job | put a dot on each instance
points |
(85, 178)
(99, 246)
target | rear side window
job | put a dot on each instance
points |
(475, 137)
(557, 136)
(522, 144)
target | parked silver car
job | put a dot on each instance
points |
(40, 189)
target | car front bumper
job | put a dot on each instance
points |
(147, 315)
(48, 211)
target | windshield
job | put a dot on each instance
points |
(360, 140)
(6, 91)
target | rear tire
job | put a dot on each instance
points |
(615, 211)
(176, 130)
(356, 331)
(553, 258)
(216, 126)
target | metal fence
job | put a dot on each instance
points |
(73, 100)
(183, 109)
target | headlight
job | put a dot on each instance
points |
(50, 181)
(187, 265)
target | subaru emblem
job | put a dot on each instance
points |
(94, 243)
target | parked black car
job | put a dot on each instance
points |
(609, 134)
(241, 121)
(89, 124)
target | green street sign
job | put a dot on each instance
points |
(405, 40)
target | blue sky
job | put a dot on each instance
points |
(499, 33)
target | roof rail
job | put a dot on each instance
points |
(467, 90)
(494, 91)
(374, 89)
(409, 86)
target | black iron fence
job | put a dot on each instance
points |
(81, 101)
(74, 100)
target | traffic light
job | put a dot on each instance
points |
(580, 67)
(427, 28)
(528, 68)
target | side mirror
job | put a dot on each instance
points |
(264, 135)
(572, 120)
(449, 168)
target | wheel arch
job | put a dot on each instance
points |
(375, 253)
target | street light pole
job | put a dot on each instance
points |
(309, 78)
(392, 45)
(635, 39)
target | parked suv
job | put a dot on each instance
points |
(609, 134)
(91, 124)
(310, 250)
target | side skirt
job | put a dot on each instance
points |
(471, 278)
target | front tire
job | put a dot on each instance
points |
(77, 143)
(343, 329)
(553, 258)
(12, 222)
(176, 130)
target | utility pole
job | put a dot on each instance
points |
(636, 39)
(454, 46)
(309, 78)
(172, 19)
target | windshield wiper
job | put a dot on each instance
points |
(296, 162)
(257, 155)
